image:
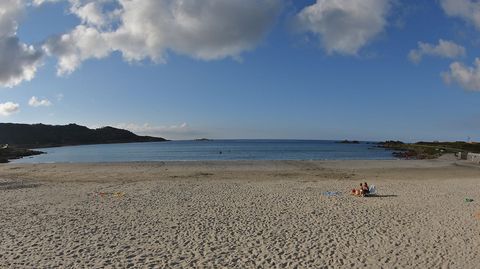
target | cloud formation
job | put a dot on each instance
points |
(91, 12)
(9, 108)
(18, 61)
(75, 47)
(344, 26)
(35, 102)
(180, 131)
(467, 77)
(468, 10)
(149, 29)
(444, 49)
(205, 30)
(148, 129)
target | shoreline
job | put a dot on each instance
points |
(217, 151)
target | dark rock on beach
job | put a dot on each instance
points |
(10, 153)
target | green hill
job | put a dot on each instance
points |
(41, 135)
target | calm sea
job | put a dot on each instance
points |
(211, 150)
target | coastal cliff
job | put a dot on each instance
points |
(17, 139)
(41, 135)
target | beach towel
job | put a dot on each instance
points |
(331, 193)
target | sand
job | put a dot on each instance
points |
(265, 214)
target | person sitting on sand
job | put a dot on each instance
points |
(358, 192)
(362, 191)
(365, 188)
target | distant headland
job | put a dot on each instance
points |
(349, 142)
(428, 150)
(202, 139)
(16, 139)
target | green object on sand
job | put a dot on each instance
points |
(468, 200)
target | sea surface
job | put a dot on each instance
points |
(212, 150)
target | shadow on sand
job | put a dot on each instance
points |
(382, 196)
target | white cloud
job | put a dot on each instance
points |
(179, 131)
(149, 29)
(8, 108)
(35, 102)
(344, 26)
(468, 10)
(73, 48)
(151, 129)
(465, 76)
(444, 49)
(93, 12)
(18, 61)
(90, 13)
(40, 2)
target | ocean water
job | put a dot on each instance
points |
(211, 150)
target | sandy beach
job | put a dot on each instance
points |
(240, 214)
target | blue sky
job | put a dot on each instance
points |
(303, 74)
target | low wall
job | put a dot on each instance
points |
(473, 157)
(461, 155)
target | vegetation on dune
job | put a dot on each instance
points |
(428, 150)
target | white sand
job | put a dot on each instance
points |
(240, 215)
